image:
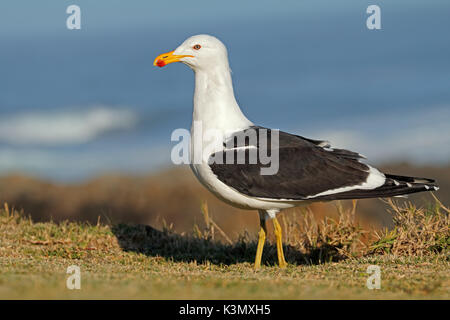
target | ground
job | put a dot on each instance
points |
(139, 262)
(134, 276)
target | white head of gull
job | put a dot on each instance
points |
(214, 102)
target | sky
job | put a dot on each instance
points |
(78, 103)
(48, 16)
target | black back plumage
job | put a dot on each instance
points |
(307, 167)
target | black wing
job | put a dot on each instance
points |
(306, 168)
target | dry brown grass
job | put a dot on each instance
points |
(416, 232)
(329, 238)
(312, 240)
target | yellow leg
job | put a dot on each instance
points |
(262, 238)
(278, 233)
(259, 250)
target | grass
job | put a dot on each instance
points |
(327, 258)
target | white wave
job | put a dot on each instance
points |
(76, 166)
(63, 128)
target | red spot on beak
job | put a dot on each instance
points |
(160, 63)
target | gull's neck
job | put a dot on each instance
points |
(214, 102)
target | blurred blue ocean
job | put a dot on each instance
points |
(78, 103)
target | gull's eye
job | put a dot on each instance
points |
(197, 47)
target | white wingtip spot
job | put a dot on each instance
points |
(409, 185)
(436, 188)
(427, 187)
(324, 144)
(396, 183)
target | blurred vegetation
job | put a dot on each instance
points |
(174, 196)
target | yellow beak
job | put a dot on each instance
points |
(167, 58)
